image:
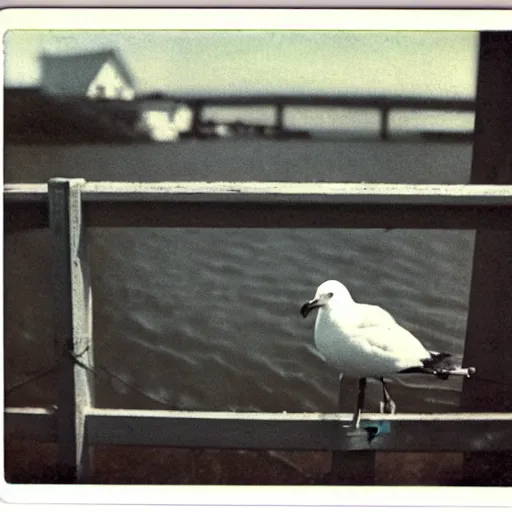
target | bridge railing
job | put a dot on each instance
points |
(383, 104)
(70, 206)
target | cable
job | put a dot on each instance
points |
(112, 375)
(75, 357)
(136, 389)
(132, 387)
(37, 376)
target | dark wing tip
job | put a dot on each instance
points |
(439, 365)
(440, 355)
(435, 359)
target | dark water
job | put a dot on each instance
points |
(209, 319)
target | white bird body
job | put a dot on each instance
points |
(363, 340)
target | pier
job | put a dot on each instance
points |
(383, 104)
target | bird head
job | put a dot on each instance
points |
(326, 294)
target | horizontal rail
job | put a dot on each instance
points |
(317, 100)
(260, 191)
(38, 423)
(271, 205)
(457, 432)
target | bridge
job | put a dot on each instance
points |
(384, 104)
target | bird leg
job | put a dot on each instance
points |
(340, 392)
(360, 403)
(387, 405)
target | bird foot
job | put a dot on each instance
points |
(356, 424)
(388, 407)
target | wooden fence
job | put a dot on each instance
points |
(69, 206)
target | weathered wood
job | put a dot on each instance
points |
(38, 424)
(271, 205)
(72, 324)
(453, 432)
(260, 191)
(296, 431)
(337, 193)
(308, 431)
(489, 330)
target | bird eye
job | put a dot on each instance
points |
(330, 294)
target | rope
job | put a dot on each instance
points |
(37, 376)
(32, 379)
(111, 375)
(114, 376)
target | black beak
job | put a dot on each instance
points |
(308, 307)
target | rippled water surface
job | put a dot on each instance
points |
(209, 318)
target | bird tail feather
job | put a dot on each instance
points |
(440, 365)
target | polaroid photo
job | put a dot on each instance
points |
(210, 215)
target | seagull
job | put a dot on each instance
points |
(364, 341)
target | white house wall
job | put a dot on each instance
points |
(109, 84)
(164, 121)
(158, 125)
(183, 118)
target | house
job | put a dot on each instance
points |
(163, 119)
(94, 75)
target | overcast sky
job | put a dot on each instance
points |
(392, 62)
(437, 63)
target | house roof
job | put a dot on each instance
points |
(72, 73)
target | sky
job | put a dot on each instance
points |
(441, 64)
(437, 63)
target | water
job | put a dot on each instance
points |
(208, 319)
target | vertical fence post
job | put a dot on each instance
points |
(489, 331)
(351, 468)
(72, 326)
